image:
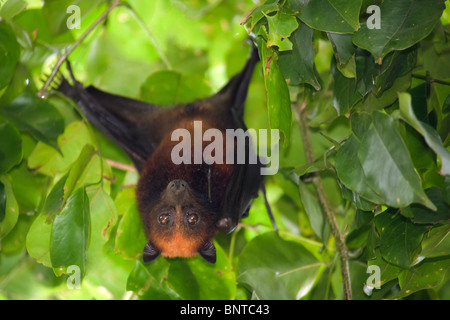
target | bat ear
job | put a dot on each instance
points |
(150, 252)
(208, 252)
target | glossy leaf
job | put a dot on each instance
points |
(9, 54)
(9, 207)
(130, 237)
(206, 281)
(56, 198)
(345, 95)
(403, 24)
(387, 165)
(38, 240)
(430, 135)
(427, 275)
(102, 220)
(297, 64)
(436, 242)
(314, 211)
(260, 12)
(338, 16)
(281, 25)
(287, 263)
(351, 173)
(47, 160)
(342, 46)
(10, 147)
(70, 233)
(278, 101)
(420, 214)
(35, 116)
(399, 239)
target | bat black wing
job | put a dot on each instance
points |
(246, 179)
(119, 118)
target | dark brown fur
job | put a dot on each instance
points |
(182, 206)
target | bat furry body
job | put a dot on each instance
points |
(182, 205)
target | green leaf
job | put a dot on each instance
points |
(436, 242)
(2, 202)
(70, 233)
(12, 8)
(388, 271)
(314, 211)
(196, 279)
(130, 237)
(38, 240)
(350, 171)
(47, 160)
(338, 16)
(35, 116)
(297, 64)
(10, 147)
(342, 46)
(55, 12)
(378, 78)
(272, 289)
(387, 164)
(403, 24)
(278, 100)
(281, 25)
(431, 137)
(399, 238)
(9, 210)
(79, 167)
(55, 199)
(64, 188)
(427, 275)
(9, 54)
(287, 263)
(169, 88)
(421, 214)
(260, 12)
(103, 219)
(345, 95)
(149, 281)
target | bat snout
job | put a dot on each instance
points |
(177, 186)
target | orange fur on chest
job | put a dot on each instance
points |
(178, 245)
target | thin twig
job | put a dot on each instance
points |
(150, 36)
(325, 202)
(426, 78)
(74, 46)
(121, 166)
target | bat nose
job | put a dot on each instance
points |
(177, 186)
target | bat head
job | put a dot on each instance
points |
(179, 225)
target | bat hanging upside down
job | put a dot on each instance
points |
(182, 205)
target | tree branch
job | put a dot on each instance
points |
(150, 36)
(325, 201)
(74, 46)
(121, 166)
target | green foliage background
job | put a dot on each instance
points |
(377, 103)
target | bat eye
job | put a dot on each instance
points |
(192, 218)
(164, 219)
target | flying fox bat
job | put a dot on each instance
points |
(182, 205)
